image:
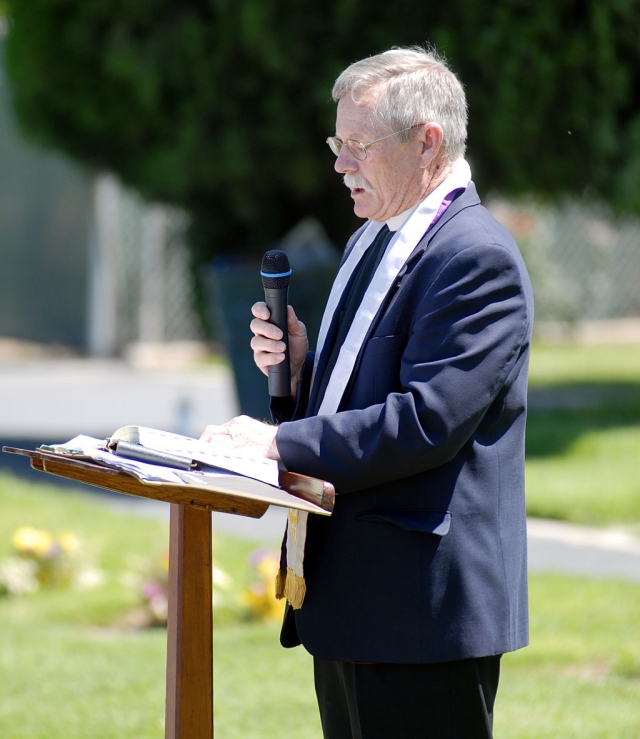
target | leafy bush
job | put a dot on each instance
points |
(223, 107)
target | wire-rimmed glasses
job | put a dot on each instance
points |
(357, 149)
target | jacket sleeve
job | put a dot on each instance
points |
(466, 334)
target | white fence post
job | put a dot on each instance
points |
(103, 268)
(151, 309)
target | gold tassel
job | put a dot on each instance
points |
(295, 589)
(281, 579)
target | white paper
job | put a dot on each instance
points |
(265, 470)
(259, 468)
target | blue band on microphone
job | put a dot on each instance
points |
(275, 274)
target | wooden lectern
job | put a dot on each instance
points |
(189, 697)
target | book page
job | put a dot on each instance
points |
(88, 446)
(260, 468)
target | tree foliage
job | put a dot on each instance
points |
(223, 106)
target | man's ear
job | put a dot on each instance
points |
(431, 137)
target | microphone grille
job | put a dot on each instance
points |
(275, 261)
(276, 271)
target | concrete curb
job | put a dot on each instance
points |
(610, 539)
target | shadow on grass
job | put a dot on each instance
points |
(560, 414)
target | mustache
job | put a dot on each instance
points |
(356, 182)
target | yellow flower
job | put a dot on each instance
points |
(220, 578)
(268, 566)
(68, 542)
(28, 540)
(165, 560)
(262, 603)
(260, 598)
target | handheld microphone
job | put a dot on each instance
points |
(276, 274)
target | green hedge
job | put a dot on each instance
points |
(223, 106)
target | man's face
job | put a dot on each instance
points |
(390, 179)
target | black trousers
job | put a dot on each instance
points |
(446, 700)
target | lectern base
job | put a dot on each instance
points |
(189, 706)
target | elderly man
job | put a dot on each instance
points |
(413, 405)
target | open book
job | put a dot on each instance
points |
(181, 470)
(160, 457)
(163, 448)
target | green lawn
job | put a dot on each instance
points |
(557, 364)
(583, 434)
(580, 676)
(579, 679)
(66, 681)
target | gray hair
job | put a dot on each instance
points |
(410, 86)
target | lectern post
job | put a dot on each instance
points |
(189, 705)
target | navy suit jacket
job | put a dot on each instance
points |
(424, 557)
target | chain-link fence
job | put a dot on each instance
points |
(141, 287)
(584, 265)
(584, 262)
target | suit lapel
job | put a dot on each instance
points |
(467, 199)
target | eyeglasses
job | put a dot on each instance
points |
(358, 150)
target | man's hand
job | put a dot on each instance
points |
(268, 347)
(243, 436)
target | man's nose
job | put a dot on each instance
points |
(345, 161)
